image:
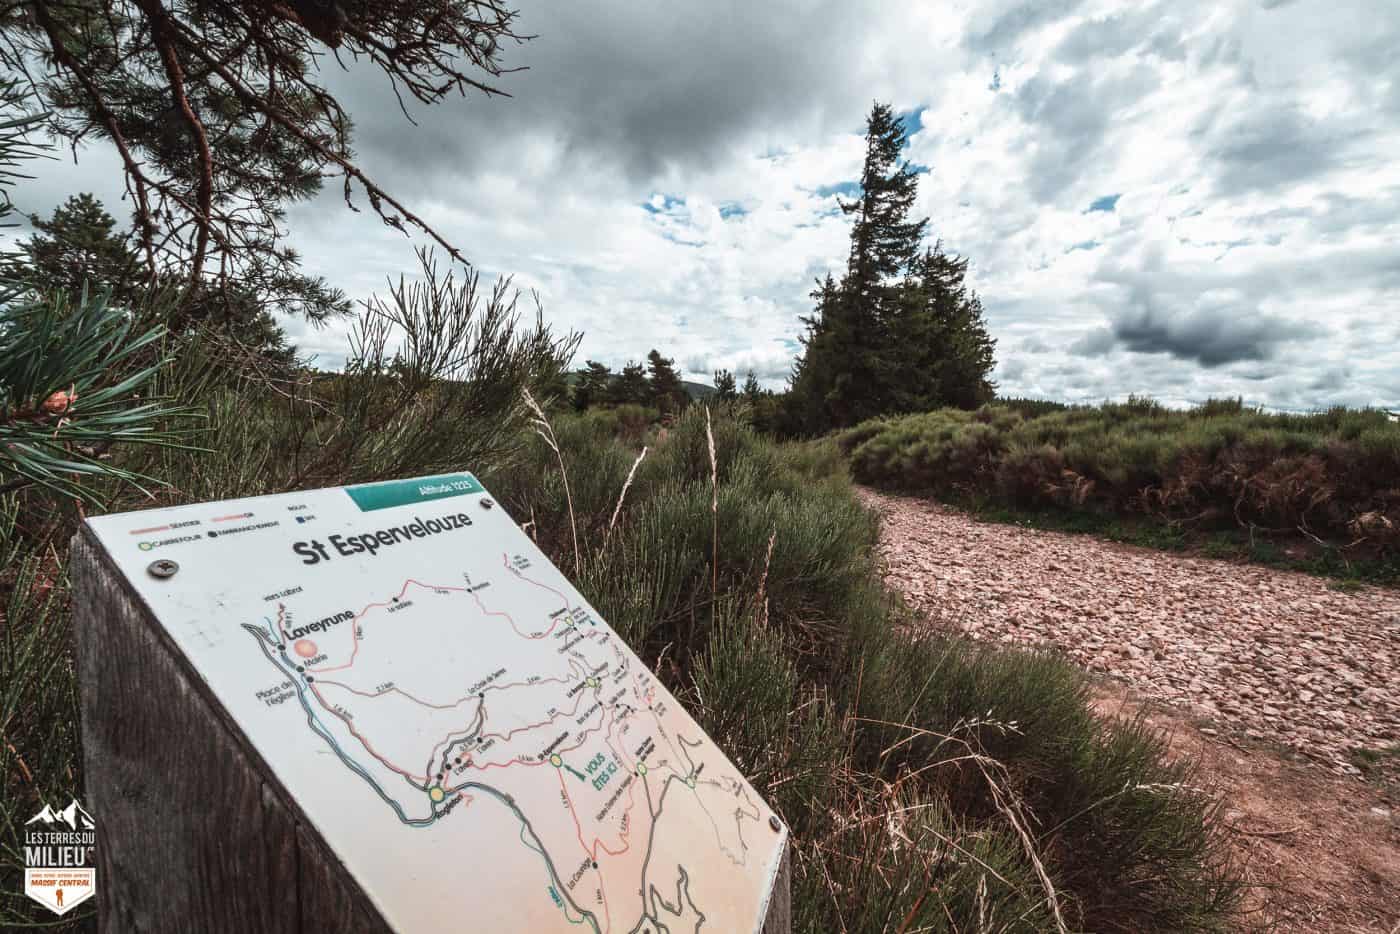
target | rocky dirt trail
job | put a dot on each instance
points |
(1269, 678)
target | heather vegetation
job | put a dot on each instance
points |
(1231, 479)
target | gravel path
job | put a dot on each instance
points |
(1274, 655)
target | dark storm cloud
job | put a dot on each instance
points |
(643, 87)
(1211, 337)
(1094, 343)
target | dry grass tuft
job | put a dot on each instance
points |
(545, 430)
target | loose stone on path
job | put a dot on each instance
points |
(1274, 655)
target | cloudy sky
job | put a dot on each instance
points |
(1185, 199)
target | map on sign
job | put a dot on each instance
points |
(477, 746)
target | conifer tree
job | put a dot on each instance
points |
(667, 393)
(900, 331)
(79, 248)
(752, 391)
(76, 372)
(631, 386)
(937, 351)
(812, 403)
(592, 386)
(962, 350)
(884, 241)
(725, 388)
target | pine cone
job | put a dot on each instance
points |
(59, 402)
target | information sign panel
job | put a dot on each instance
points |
(469, 737)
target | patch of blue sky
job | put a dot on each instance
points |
(662, 203)
(1083, 245)
(845, 189)
(913, 120)
(1107, 203)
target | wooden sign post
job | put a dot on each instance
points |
(378, 709)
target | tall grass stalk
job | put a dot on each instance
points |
(714, 500)
(546, 431)
(627, 484)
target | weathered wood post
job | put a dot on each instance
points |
(779, 917)
(195, 832)
(212, 818)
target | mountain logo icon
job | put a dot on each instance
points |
(74, 816)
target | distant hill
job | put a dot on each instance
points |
(696, 391)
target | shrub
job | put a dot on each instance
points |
(1221, 465)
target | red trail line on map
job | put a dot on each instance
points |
(397, 690)
(363, 742)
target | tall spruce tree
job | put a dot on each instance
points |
(812, 404)
(963, 350)
(884, 241)
(900, 331)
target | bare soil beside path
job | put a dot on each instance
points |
(1269, 678)
(1320, 853)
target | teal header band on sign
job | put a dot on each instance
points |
(372, 496)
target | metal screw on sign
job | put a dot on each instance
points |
(775, 824)
(486, 503)
(163, 568)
